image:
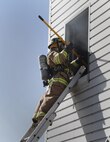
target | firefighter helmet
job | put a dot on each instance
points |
(54, 43)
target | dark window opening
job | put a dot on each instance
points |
(76, 31)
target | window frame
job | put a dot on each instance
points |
(84, 80)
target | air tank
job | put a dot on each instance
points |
(44, 67)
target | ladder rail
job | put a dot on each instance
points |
(47, 120)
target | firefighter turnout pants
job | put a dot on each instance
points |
(56, 86)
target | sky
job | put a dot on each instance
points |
(23, 38)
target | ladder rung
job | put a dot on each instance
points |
(47, 120)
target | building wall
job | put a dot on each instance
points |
(84, 115)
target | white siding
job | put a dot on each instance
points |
(84, 115)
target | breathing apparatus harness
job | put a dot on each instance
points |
(48, 72)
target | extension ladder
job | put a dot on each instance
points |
(47, 120)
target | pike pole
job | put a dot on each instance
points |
(64, 42)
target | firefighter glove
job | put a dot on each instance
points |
(69, 48)
(45, 83)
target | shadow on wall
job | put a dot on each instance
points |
(89, 108)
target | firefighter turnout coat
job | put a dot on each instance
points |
(57, 83)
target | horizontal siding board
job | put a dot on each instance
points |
(81, 115)
(100, 53)
(99, 62)
(99, 11)
(97, 21)
(90, 100)
(93, 24)
(76, 126)
(100, 28)
(66, 136)
(84, 109)
(95, 89)
(98, 71)
(78, 139)
(98, 5)
(82, 95)
(60, 6)
(64, 120)
(83, 139)
(86, 120)
(97, 81)
(100, 19)
(65, 11)
(92, 33)
(105, 28)
(84, 112)
(100, 140)
(100, 44)
(98, 134)
(65, 128)
(96, 85)
(100, 37)
(75, 116)
(102, 60)
(67, 14)
(60, 30)
(79, 132)
(55, 3)
(93, 100)
(100, 137)
(92, 2)
(66, 104)
(91, 90)
(100, 115)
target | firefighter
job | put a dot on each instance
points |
(60, 68)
